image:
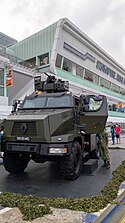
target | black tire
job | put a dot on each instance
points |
(14, 163)
(71, 165)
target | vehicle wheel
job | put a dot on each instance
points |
(71, 165)
(14, 163)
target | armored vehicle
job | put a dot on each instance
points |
(53, 124)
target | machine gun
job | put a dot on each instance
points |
(51, 85)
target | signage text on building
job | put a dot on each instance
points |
(102, 67)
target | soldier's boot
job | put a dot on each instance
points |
(107, 164)
(104, 164)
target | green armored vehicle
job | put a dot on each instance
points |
(53, 124)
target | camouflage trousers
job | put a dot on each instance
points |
(104, 153)
(103, 149)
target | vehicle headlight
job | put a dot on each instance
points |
(58, 150)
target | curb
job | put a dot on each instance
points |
(111, 209)
(116, 147)
(2, 211)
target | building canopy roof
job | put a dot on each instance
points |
(6, 41)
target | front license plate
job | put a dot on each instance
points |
(23, 138)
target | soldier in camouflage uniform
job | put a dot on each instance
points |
(103, 148)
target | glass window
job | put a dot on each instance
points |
(58, 102)
(44, 59)
(38, 102)
(94, 105)
(67, 65)
(1, 91)
(115, 88)
(91, 102)
(105, 83)
(122, 91)
(31, 63)
(91, 76)
(46, 102)
(58, 60)
(1, 77)
(79, 71)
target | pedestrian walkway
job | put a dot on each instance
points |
(117, 146)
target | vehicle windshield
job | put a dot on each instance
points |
(47, 102)
(34, 102)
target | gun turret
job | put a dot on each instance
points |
(51, 85)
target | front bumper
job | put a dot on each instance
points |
(40, 149)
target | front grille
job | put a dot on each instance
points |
(29, 130)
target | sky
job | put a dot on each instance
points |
(102, 20)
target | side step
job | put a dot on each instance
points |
(90, 166)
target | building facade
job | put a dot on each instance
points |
(22, 82)
(63, 49)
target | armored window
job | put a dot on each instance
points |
(94, 105)
(38, 102)
(91, 102)
(58, 102)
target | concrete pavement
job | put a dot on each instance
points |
(119, 145)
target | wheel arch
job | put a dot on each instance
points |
(79, 140)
